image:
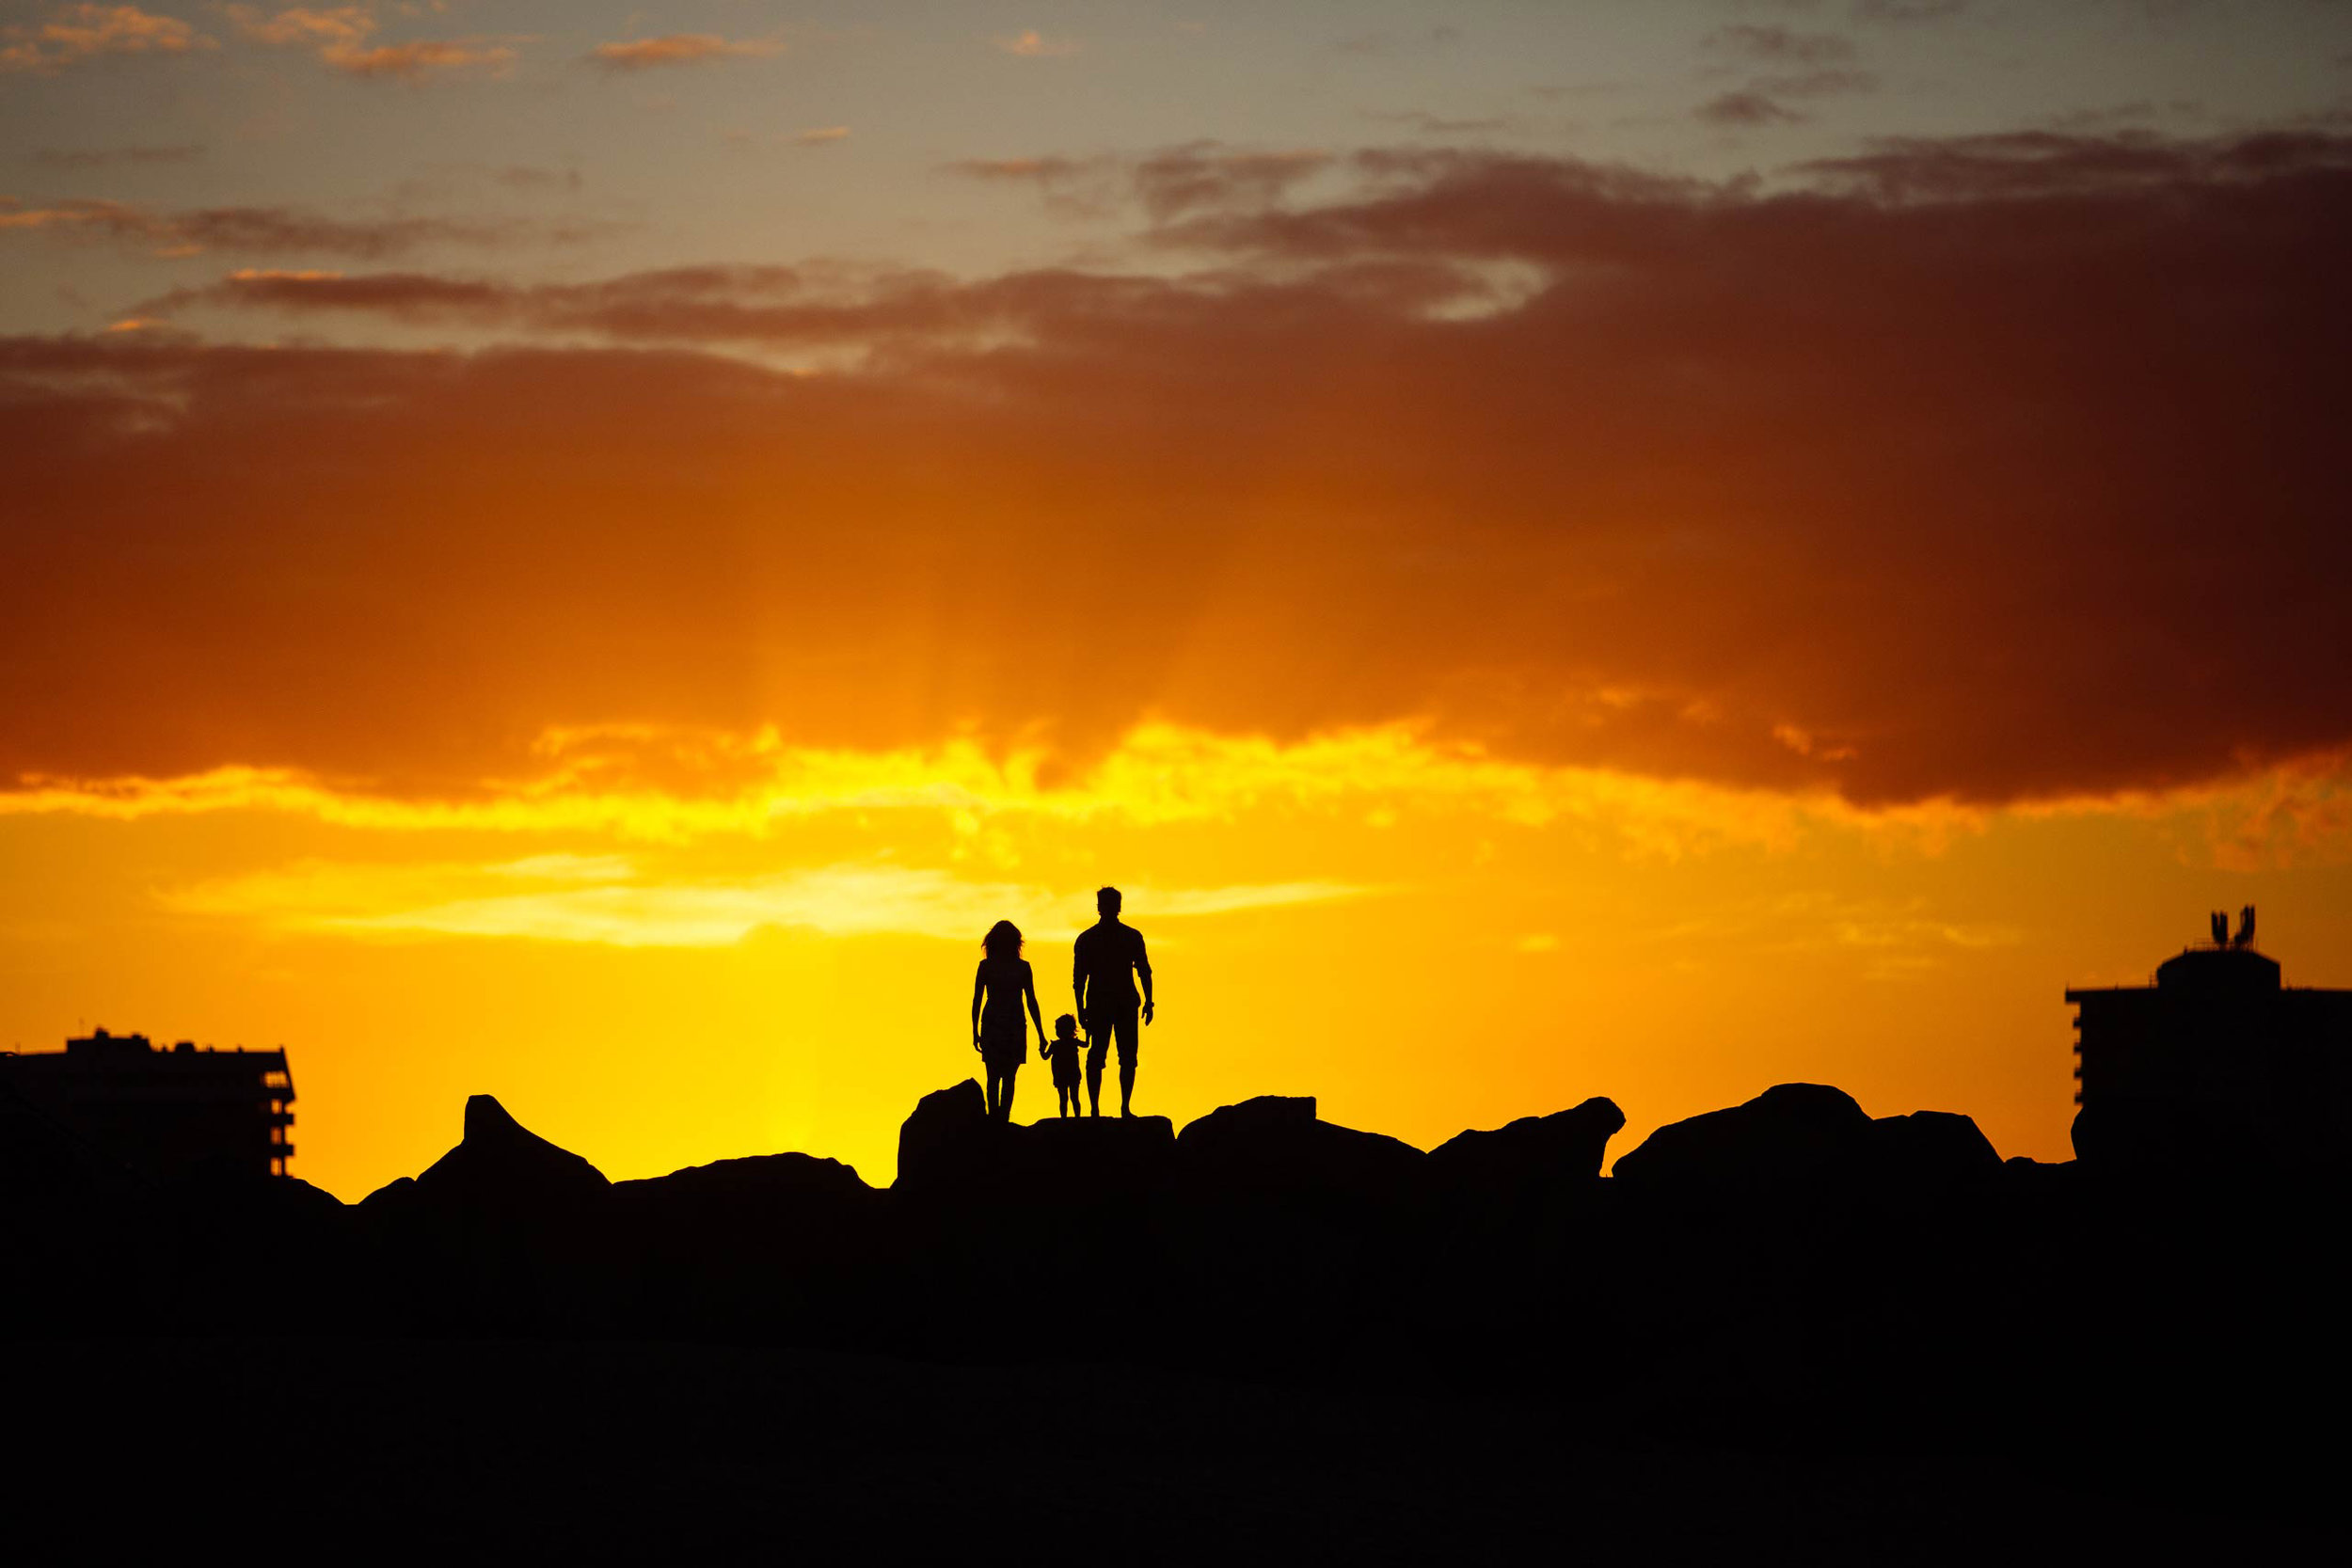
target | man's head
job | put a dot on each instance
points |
(1106, 902)
(1066, 1027)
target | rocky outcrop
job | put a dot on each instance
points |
(774, 1245)
(760, 1181)
(949, 1150)
(1793, 1139)
(1812, 1146)
(506, 1232)
(1930, 1154)
(501, 1165)
(1276, 1147)
(942, 1139)
(1097, 1158)
(1532, 1154)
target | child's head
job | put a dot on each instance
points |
(1066, 1027)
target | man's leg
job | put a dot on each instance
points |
(1097, 1046)
(1128, 1028)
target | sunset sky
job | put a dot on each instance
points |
(587, 551)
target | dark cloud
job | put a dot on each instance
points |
(1166, 185)
(1075, 187)
(273, 230)
(1815, 84)
(1908, 10)
(1382, 44)
(2048, 162)
(1205, 175)
(1430, 124)
(1991, 486)
(1781, 47)
(81, 158)
(751, 304)
(1745, 108)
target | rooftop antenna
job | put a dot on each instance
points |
(2221, 928)
(2245, 936)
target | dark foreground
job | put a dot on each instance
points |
(318, 1450)
(1784, 1329)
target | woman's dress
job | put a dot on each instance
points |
(1004, 1029)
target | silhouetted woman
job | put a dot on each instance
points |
(1003, 984)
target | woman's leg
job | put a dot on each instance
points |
(996, 1088)
(1011, 1069)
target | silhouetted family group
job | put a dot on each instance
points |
(1109, 960)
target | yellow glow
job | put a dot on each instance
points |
(668, 946)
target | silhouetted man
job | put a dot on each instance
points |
(1110, 956)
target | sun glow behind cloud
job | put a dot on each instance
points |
(614, 900)
(662, 784)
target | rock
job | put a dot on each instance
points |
(949, 1147)
(501, 1164)
(1792, 1138)
(2029, 1180)
(768, 1244)
(505, 1233)
(942, 1139)
(1253, 1116)
(1275, 1147)
(1929, 1153)
(759, 1180)
(398, 1194)
(1085, 1159)
(1531, 1153)
(2148, 1140)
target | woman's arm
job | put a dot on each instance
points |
(979, 984)
(1029, 991)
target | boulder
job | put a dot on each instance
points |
(1070, 1160)
(1792, 1138)
(1275, 1147)
(773, 1244)
(395, 1196)
(943, 1139)
(1929, 1153)
(756, 1181)
(501, 1166)
(950, 1148)
(505, 1233)
(1533, 1153)
(2145, 1140)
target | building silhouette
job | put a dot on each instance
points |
(174, 1113)
(2217, 1060)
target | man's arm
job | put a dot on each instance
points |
(1143, 972)
(1078, 977)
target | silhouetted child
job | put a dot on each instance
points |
(1063, 1051)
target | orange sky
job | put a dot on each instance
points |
(1425, 940)
(1773, 581)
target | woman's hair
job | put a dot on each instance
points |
(1003, 940)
